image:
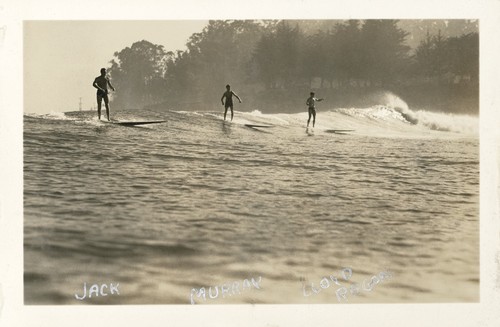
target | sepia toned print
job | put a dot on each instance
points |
(347, 173)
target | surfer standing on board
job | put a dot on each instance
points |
(101, 84)
(229, 100)
(312, 109)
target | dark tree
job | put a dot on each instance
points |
(346, 52)
(215, 57)
(138, 74)
(278, 56)
(445, 59)
(464, 56)
(385, 54)
(316, 54)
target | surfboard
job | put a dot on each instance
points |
(134, 123)
(258, 126)
(339, 131)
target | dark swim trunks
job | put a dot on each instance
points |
(102, 95)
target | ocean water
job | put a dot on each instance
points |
(286, 214)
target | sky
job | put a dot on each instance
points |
(62, 58)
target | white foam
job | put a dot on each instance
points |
(465, 124)
(393, 119)
(52, 115)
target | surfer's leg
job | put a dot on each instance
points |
(99, 100)
(106, 103)
(107, 111)
(225, 112)
(309, 118)
(314, 117)
(231, 113)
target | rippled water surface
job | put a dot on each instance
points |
(195, 202)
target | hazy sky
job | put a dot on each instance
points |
(62, 58)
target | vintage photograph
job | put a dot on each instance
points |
(207, 162)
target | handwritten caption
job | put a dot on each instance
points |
(98, 290)
(234, 288)
(226, 289)
(342, 292)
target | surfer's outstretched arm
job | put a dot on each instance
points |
(222, 99)
(111, 86)
(237, 97)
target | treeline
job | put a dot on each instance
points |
(274, 64)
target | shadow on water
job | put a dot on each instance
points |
(257, 130)
(226, 128)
